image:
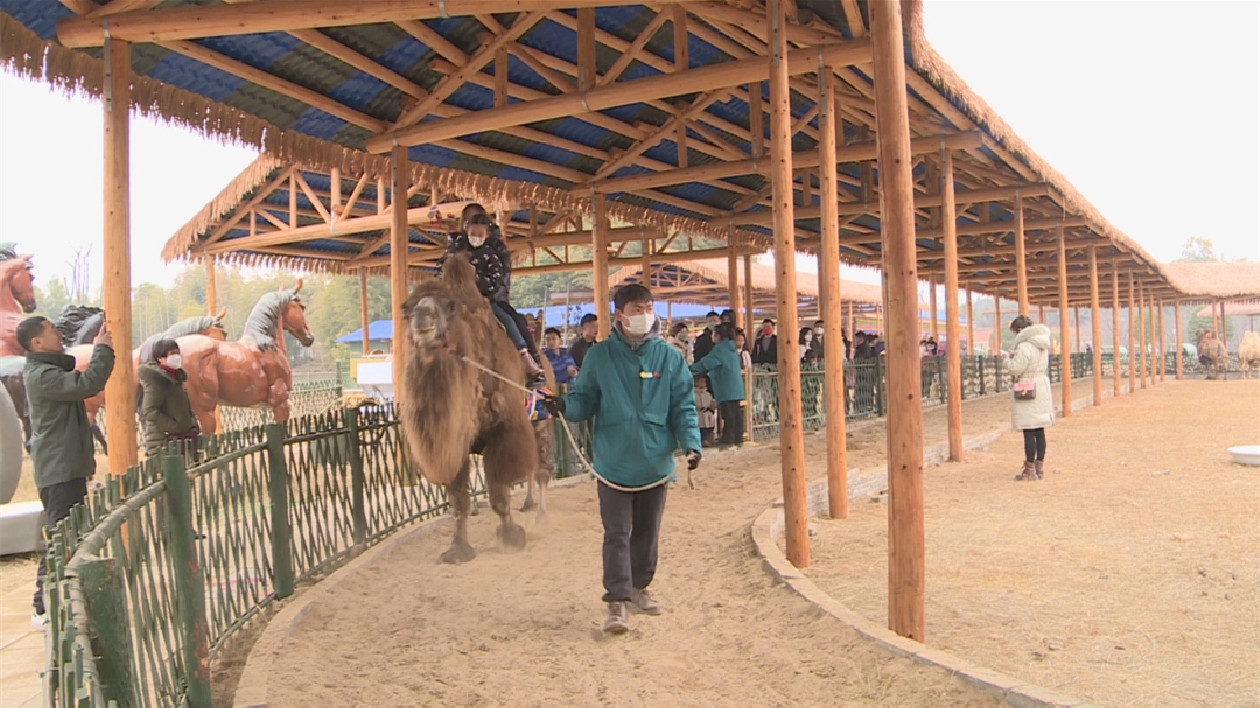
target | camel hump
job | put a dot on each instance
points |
(458, 272)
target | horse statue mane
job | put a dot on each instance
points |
(8, 250)
(262, 320)
(79, 324)
(183, 328)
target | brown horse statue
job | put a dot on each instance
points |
(252, 371)
(1212, 353)
(450, 408)
(17, 299)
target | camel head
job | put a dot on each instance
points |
(438, 311)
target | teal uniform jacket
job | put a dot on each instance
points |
(644, 407)
(722, 365)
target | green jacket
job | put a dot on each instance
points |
(165, 407)
(644, 407)
(61, 434)
(722, 364)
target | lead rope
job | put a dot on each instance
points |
(568, 433)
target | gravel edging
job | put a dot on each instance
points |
(768, 527)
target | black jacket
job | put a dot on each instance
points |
(61, 434)
(578, 351)
(167, 412)
(703, 345)
(766, 350)
(491, 260)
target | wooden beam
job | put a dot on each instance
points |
(120, 388)
(921, 201)
(832, 316)
(681, 63)
(756, 121)
(194, 22)
(353, 58)
(599, 265)
(657, 259)
(221, 230)
(698, 80)
(791, 430)
(433, 40)
(853, 17)
(659, 133)
(905, 407)
(806, 158)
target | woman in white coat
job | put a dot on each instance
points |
(1029, 365)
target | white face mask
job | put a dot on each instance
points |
(174, 361)
(818, 331)
(809, 338)
(476, 241)
(639, 325)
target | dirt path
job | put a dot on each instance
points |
(1128, 577)
(523, 628)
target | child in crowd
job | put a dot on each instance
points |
(706, 410)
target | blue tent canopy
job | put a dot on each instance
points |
(380, 330)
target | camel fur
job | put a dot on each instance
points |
(450, 409)
(1212, 353)
(1249, 354)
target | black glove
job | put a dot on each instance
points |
(554, 405)
(693, 459)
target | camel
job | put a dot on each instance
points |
(450, 408)
(1249, 354)
(1212, 353)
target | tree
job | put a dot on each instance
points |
(1198, 248)
(51, 299)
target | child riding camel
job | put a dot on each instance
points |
(492, 261)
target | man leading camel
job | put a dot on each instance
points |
(640, 392)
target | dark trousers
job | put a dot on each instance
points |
(1035, 444)
(57, 499)
(632, 525)
(732, 422)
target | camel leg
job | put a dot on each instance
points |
(461, 551)
(529, 495)
(511, 533)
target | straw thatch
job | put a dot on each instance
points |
(1215, 280)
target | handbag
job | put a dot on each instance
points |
(1024, 390)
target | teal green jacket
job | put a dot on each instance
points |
(61, 434)
(726, 381)
(644, 407)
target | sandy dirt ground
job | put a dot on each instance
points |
(1128, 577)
(523, 628)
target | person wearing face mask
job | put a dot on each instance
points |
(641, 395)
(817, 346)
(493, 264)
(168, 415)
(680, 339)
(766, 348)
(704, 342)
(805, 342)
(61, 434)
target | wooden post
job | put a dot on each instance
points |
(212, 287)
(1141, 336)
(645, 261)
(1177, 329)
(1161, 339)
(933, 327)
(791, 433)
(120, 389)
(756, 120)
(997, 324)
(748, 309)
(1095, 323)
(732, 274)
(1115, 329)
(971, 327)
(953, 354)
(1133, 352)
(599, 266)
(1150, 336)
(832, 315)
(851, 318)
(1216, 325)
(905, 407)
(398, 240)
(1065, 332)
(363, 310)
(1021, 266)
(1078, 340)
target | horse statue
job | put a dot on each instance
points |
(252, 371)
(451, 407)
(208, 325)
(17, 299)
(1212, 353)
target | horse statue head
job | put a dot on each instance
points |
(281, 308)
(17, 278)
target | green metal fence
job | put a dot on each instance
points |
(151, 577)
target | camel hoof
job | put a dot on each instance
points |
(529, 504)
(512, 535)
(457, 554)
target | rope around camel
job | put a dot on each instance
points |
(567, 432)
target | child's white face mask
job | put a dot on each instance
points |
(174, 361)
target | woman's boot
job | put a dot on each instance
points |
(1039, 468)
(1029, 474)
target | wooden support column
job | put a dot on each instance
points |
(1141, 335)
(1021, 265)
(120, 389)
(1065, 330)
(1161, 339)
(997, 324)
(1149, 324)
(1041, 314)
(645, 261)
(971, 327)
(363, 310)
(791, 431)
(1078, 340)
(756, 120)
(599, 266)
(1216, 325)
(398, 241)
(748, 304)
(832, 315)
(1133, 350)
(905, 407)
(953, 354)
(933, 327)
(1115, 329)
(852, 331)
(732, 274)
(212, 287)
(1177, 329)
(1095, 324)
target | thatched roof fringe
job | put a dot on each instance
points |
(250, 179)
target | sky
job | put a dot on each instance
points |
(1151, 109)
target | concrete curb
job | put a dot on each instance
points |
(768, 527)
